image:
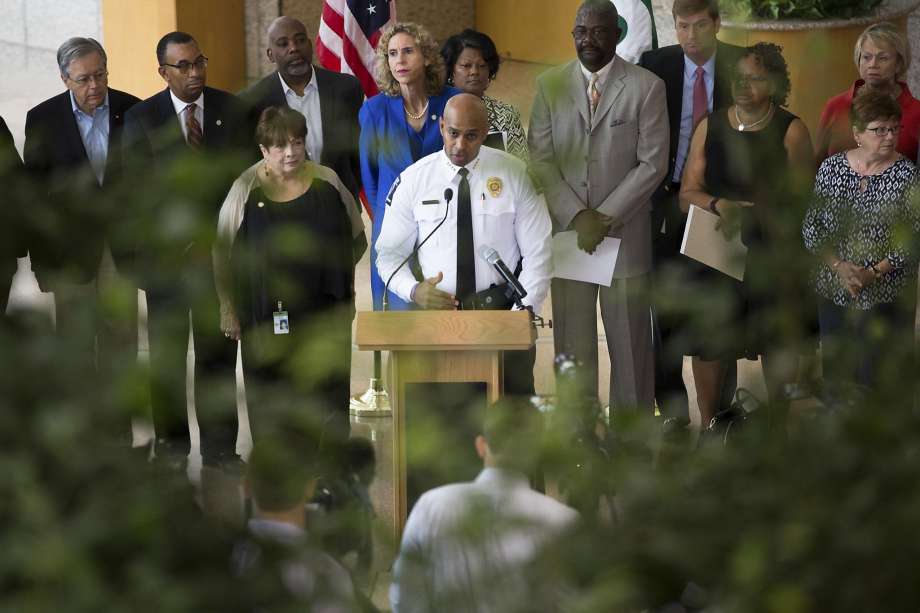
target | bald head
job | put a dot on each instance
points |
(464, 127)
(469, 108)
(289, 49)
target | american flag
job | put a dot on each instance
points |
(348, 34)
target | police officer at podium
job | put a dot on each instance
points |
(479, 211)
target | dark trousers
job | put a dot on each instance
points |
(668, 322)
(872, 348)
(299, 380)
(96, 326)
(215, 366)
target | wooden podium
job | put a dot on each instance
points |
(439, 347)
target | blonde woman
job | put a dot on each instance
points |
(400, 125)
(882, 56)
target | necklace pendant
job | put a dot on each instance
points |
(740, 127)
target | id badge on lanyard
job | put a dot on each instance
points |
(280, 321)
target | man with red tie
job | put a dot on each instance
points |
(191, 141)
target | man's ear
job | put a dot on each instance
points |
(270, 55)
(482, 446)
(162, 71)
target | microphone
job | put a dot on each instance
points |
(491, 256)
(448, 194)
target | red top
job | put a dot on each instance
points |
(835, 133)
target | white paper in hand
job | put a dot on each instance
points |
(706, 244)
(570, 262)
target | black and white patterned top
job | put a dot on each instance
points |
(505, 118)
(863, 227)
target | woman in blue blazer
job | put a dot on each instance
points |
(399, 126)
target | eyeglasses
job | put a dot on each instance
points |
(99, 77)
(883, 131)
(185, 67)
(745, 80)
(597, 33)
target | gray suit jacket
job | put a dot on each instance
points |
(612, 162)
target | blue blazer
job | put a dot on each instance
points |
(385, 153)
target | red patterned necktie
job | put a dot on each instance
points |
(700, 98)
(192, 128)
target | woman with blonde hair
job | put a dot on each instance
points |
(400, 125)
(881, 55)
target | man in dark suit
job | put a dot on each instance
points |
(329, 100)
(697, 76)
(72, 154)
(11, 245)
(191, 139)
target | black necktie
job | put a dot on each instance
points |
(466, 265)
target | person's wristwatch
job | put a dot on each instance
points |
(712, 207)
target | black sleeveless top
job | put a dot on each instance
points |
(751, 166)
(298, 252)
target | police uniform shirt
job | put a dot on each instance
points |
(507, 214)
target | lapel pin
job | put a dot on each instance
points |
(218, 122)
(261, 204)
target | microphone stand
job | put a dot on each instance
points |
(375, 402)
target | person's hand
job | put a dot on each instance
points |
(229, 323)
(866, 276)
(428, 296)
(730, 216)
(591, 227)
(851, 277)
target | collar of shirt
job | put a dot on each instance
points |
(506, 477)
(601, 74)
(690, 68)
(179, 105)
(312, 85)
(79, 112)
(473, 166)
(277, 531)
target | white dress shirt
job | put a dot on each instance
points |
(308, 106)
(466, 545)
(686, 109)
(507, 214)
(181, 111)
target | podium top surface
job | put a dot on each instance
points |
(444, 331)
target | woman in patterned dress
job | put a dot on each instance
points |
(862, 224)
(472, 63)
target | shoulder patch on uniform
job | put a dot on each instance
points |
(392, 191)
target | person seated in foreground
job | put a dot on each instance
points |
(466, 545)
(277, 557)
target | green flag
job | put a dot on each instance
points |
(637, 28)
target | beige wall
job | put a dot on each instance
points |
(441, 17)
(132, 29)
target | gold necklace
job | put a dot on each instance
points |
(420, 115)
(742, 127)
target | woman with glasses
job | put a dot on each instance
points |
(861, 225)
(471, 61)
(400, 125)
(745, 164)
(882, 55)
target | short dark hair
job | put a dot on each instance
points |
(683, 8)
(173, 38)
(278, 125)
(470, 39)
(513, 427)
(770, 57)
(871, 105)
(604, 7)
(280, 469)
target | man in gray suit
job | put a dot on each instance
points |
(599, 144)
